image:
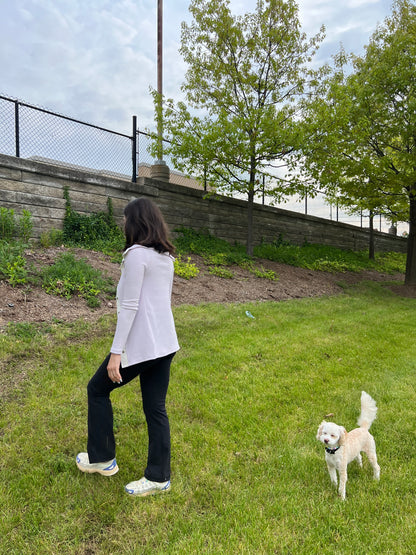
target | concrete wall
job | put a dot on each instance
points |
(38, 187)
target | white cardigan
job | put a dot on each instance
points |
(145, 327)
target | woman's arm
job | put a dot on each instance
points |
(128, 297)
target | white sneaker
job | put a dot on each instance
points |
(144, 487)
(105, 468)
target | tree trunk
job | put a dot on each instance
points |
(249, 247)
(371, 248)
(410, 278)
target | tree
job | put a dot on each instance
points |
(244, 74)
(362, 126)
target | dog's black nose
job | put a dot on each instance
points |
(326, 440)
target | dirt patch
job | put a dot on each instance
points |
(32, 304)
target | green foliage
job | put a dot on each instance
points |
(217, 252)
(245, 76)
(12, 226)
(361, 126)
(12, 262)
(7, 223)
(69, 276)
(266, 274)
(92, 231)
(16, 271)
(186, 269)
(25, 226)
(330, 259)
(214, 251)
(221, 272)
(51, 238)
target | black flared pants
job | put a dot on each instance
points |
(154, 382)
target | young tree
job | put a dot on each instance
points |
(362, 127)
(244, 75)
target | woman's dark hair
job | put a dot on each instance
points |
(145, 226)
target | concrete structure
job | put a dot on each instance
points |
(38, 187)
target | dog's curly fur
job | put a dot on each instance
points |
(342, 447)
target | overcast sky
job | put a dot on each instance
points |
(94, 60)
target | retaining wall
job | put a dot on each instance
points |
(38, 187)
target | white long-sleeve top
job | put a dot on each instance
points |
(145, 328)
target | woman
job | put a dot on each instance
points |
(144, 344)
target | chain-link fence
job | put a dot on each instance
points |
(34, 133)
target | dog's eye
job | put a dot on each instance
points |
(333, 435)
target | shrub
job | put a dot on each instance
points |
(89, 230)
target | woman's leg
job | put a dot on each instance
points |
(101, 443)
(154, 382)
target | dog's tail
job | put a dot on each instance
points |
(368, 411)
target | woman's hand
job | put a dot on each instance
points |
(113, 368)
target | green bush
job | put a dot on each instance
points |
(91, 230)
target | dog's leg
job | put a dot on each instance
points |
(359, 459)
(342, 480)
(332, 474)
(372, 457)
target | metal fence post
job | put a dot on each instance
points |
(16, 128)
(134, 150)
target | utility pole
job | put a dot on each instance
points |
(160, 170)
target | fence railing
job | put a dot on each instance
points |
(34, 133)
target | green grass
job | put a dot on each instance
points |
(245, 401)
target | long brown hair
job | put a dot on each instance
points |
(145, 226)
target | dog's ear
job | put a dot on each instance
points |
(318, 435)
(342, 435)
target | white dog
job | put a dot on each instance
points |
(341, 447)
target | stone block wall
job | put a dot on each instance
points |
(38, 187)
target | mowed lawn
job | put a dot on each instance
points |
(245, 401)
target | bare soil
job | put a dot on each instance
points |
(32, 304)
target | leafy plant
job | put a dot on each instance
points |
(221, 272)
(70, 276)
(51, 238)
(186, 269)
(7, 223)
(89, 230)
(266, 274)
(25, 226)
(12, 262)
(10, 226)
(16, 271)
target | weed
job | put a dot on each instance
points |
(89, 230)
(221, 272)
(69, 276)
(51, 238)
(12, 262)
(186, 269)
(7, 223)
(266, 274)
